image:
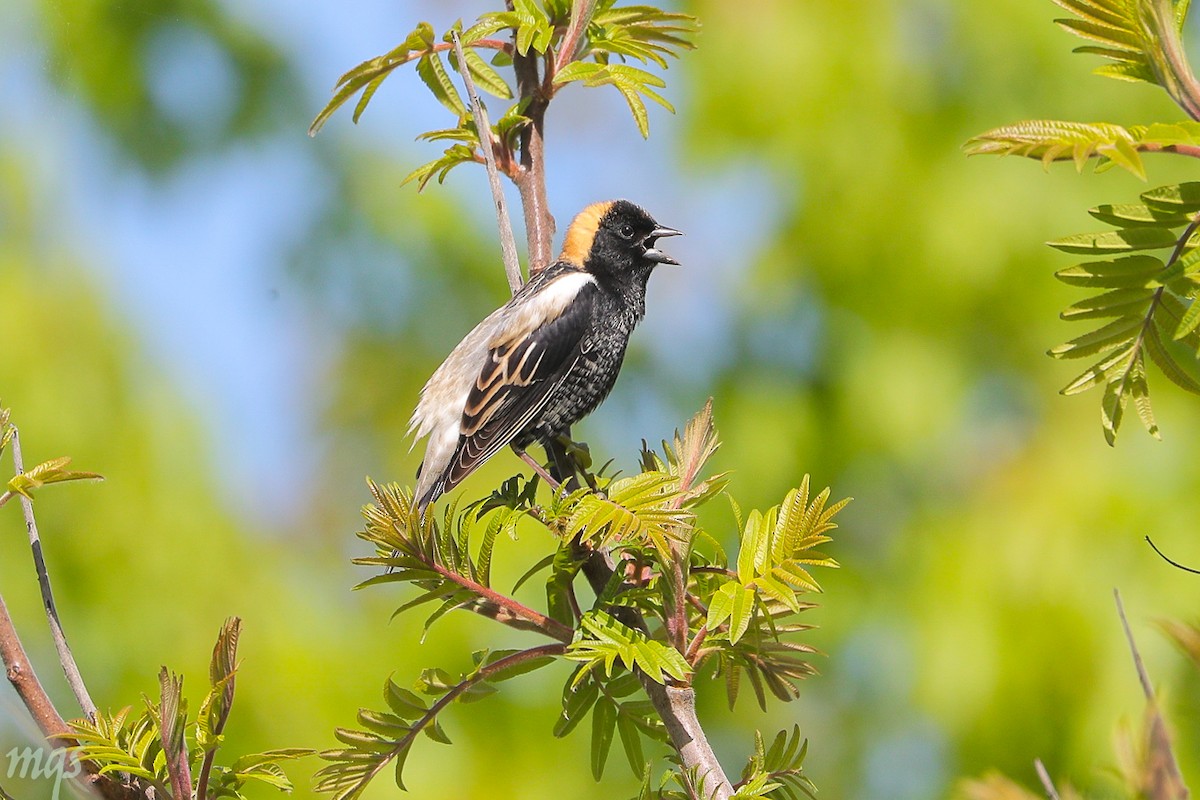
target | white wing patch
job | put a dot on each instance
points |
(545, 306)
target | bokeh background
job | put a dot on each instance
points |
(231, 321)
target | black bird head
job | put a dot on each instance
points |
(616, 239)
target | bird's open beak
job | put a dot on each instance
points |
(653, 253)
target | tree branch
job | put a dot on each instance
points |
(33, 696)
(483, 673)
(676, 705)
(65, 657)
(531, 179)
(1044, 777)
(25, 681)
(1162, 778)
(508, 245)
(1170, 561)
(505, 609)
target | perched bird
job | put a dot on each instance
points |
(548, 357)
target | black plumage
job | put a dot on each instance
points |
(549, 356)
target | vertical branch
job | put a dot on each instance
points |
(65, 657)
(676, 705)
(508, 245)
(531, 179)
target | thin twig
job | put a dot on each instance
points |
(65, 657)
(482, 674)
(1161, 775)
(1044, 777)
(1143, 676)
(508, 244)
(1170, 561)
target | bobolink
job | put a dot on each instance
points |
(548, 357)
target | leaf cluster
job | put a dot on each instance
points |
(435, 556)
(385, 738)
(1142, 284)
(52, 471)
(1140, 39)
(1108, 144)
(1142, 292)
(670, 605)
(151, 751)
(583, 43)
(777, 771)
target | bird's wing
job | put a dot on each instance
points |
(527, 359)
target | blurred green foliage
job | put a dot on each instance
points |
(971, 626)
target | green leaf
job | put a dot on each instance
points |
(1160, 353)
(604, 720)
(1116, 303)
(607, 641)
(579, 694)
(735, 603)
(433, 73)
(1189, 321)
(1182, 198)
(631, 742)
(1115, 334)
(1056, 140)
(1116, 241)
(482, 73)
(1132, 215)
(1112, 409)
(1108, 35)
(1098, 373)
(1119, 273)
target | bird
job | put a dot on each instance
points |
(546, 358)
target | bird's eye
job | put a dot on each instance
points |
(626, 231)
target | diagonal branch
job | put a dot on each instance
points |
(505, 609)
(33, 696)
(1044, 777)
(65, 657)
(1162, 776)
(508, 245)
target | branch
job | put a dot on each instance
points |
(676, 705)
(1170, 561)
(33, 696)
(505, 609)
(1165, 782)
(25, 681)
(483, 673)
(508, 245)
(1044, 777)
(531, 179)
(65, 657)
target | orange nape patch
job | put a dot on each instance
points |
(582, 231)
